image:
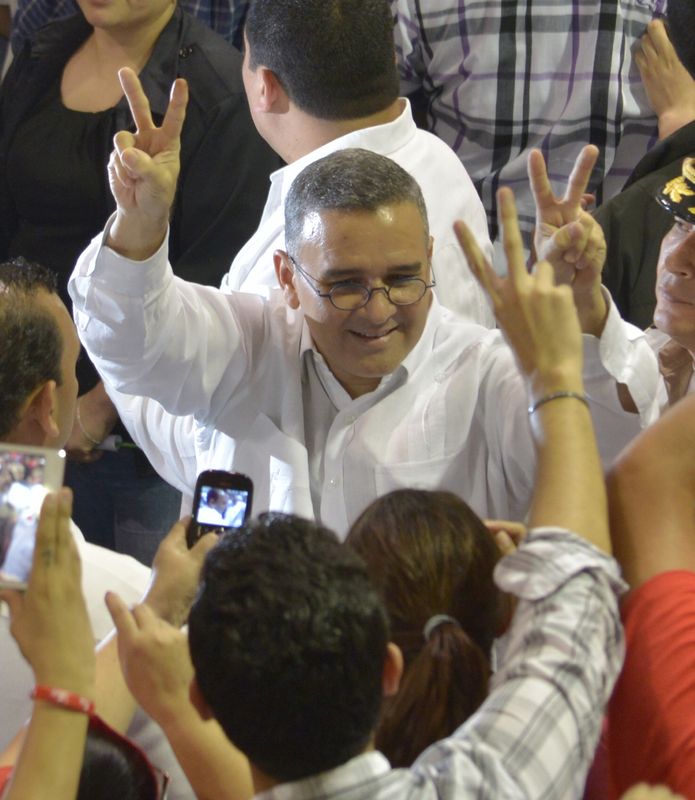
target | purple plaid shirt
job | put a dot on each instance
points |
(224, 16)
(503, 76)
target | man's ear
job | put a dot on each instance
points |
(430, 249)
(393, 670)
(285, 275)
(270, 96)
(198, 701)
(39, 410)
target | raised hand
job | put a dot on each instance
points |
(144, 168)
(50, 621)
(670, 87)
(154, 659)
(176, 574)
(537, 317)
(570, 238)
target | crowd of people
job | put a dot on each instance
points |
(470, 568)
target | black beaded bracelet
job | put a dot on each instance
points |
(557, 396)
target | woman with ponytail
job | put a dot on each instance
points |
(431, 558)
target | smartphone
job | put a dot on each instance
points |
(222, 500)
(27, 474)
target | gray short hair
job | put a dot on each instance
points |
(348, 180)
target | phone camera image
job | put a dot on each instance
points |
(22, 490)
(222, 508)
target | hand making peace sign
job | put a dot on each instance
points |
(144, 168)
(566, 234)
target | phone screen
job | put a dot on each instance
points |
(220, 507)
(22, 490)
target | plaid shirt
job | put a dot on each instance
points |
(534, 737)
(226, 17)
(503, 76)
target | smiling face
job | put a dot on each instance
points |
(675, 286)
(373, 249)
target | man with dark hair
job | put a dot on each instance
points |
(38, 391)
(350, 379)
(290, 646)
(33, 345)
(283, 568)
(320, 76)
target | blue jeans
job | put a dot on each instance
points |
(122, 504)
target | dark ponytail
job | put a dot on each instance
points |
(443, 685)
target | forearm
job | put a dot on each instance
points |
(114, 702)
(151, 335)
(50, 760)
(569, 487)
(652, 495)
(214, 767)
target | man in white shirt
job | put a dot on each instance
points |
(320, 76)
(351, 379)
(301, 697)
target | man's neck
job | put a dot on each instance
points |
(307, 133)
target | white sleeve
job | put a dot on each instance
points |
(151, 334)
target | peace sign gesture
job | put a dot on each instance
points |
(538, 318)
(566, 235)
(144, 168)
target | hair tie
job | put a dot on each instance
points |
(435, 621)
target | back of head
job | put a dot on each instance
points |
(680, 17)
(348, 180)
(334, 58)
(31, 341)
(114, 769)
(288, 640)
(428, 554)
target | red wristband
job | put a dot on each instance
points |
(63, 698)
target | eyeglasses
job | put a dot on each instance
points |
(349, 296)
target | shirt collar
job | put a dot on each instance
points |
(383, 139)
(359, 770)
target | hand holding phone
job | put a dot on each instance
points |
(222, 500)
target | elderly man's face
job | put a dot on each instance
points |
(374, 249)
(675, 286)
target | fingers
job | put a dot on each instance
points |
(656, 39)
(579, 178)
(137, 99)
(505, 543)
(540, 183)
(121, 615)
(203, 546)
(481, 269)
(176, 110)
(511, 237)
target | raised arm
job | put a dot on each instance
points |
(51, 626)
(652, 498)
(539, 320)
(158, 669)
